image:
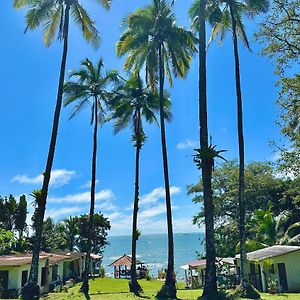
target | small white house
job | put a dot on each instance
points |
(14, 271)
(195, 270)
(54, 269)
(280, 263)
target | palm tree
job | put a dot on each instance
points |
(133, 102)
(271, 229)
(230, 17)
(54, 16)
(153, 40)
(197, 14)
(71, 230)
(91, 88)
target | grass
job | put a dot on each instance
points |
(117, 289)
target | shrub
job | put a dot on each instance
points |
(102, 272)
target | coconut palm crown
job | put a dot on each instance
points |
(150, 28)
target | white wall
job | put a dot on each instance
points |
(15, 274)
(292, 266)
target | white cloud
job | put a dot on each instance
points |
(106, 206)
(187, 144)
(84, 197)
(157, 194)
(59, 178)
(87, 185)
(56, 213)
(117, 216)
(153, 212)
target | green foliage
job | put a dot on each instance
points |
(7, 241)
(132, 102)
(280, 35)
(249, 293)
(147, 30)
(53, 237)
(102, 272)
(137, 234)
(148, 276)
(263, 189)
(51, 16)
(8, 208)
(20, 216)
(71, 228)
(91, 88)
(99, 234)
(210, 154)
(12, 221)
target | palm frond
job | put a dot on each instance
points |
(52, 25)
(105, 3)
(87, 25)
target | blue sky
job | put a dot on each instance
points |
(29, 76)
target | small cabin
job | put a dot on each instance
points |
(14, 272)
(55, 269)
(195, 271)
(277, 263)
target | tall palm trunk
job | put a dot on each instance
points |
(85, 283)
(241, 196)
(31, 290)
(210, 286)
(134, 285)
(169, 288)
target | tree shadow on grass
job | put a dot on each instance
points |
(116, 293)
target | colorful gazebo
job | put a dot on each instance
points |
(122, 267)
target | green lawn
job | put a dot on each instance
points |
(117, 289)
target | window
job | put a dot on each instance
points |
(4, 279)
(43, 279)
(272, 269)
(24, 277)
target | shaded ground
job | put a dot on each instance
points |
(117, 289)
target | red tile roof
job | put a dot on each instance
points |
(16, 260)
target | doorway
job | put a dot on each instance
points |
(282, 277)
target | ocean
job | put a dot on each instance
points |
(152, 249)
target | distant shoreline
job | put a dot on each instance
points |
(151, 234)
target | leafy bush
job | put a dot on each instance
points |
(161, 273)
(148, 275)
(102, 272)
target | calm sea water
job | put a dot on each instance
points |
(152, 249)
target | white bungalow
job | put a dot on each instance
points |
(54, 269)
(14, 271)
(195, 270)
(280, 263)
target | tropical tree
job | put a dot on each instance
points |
(90, 88)
(20, 216)
(132, 103)
(54, 17)
(153, 40)
(197, 13)
(229, 16)
(270, 229)
(71, 227)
